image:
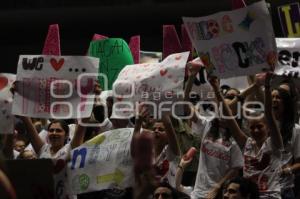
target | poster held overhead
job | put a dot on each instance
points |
(289, 16)
(234, 43)
(114, 55)
(52, 42)
(55, 86)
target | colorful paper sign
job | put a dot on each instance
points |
(114, 54)
(55, 86)
(102, 162)
(289, 16)
(52, 42)
(171, 42)
(234, 43)
(135, 46)
(6, 117)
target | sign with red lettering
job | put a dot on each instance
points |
(55, 86)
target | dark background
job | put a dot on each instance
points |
(24, 23)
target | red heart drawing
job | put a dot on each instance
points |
(3, 82)
(163, 72)
(57, 65)
(178, 57)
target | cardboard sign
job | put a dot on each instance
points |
(289, 16)
(234, 43)
(102, 162)
(114, 54)
(55, 86)
(6, 117)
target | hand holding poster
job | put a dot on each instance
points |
(55, 86)
(234, 43)
(102, 162)
(114, 55)
(6, 117)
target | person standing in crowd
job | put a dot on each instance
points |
(285, 111)
(262, 151)
(241, 188)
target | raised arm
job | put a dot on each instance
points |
(252, 92)
(217, 188)
(36, 141)
(193, 68)
(239, 136)
(78, 138)
(276, 139)
(172, 139)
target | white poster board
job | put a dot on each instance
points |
(234, 43)
(6, 117)
(55, 86)
(150, 82)
(102, 162)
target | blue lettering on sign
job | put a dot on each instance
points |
(79, 152)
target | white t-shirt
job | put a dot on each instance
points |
(63, 153)
(263, 167)
(216, 158)
(168, 157)
(290, 153)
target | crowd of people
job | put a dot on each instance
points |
(210, 155)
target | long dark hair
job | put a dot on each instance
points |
(214, 130)
(63, 125)
(288, 117)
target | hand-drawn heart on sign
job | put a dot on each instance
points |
(56, 65)
(155, 82)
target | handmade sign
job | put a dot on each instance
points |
(288, 61)
(234, 43)
(134, 45)
(171, 42)
(289, 16)
(288, 57)
(6, 117)
(102, 162)
(52, 42)
(55, 86)
(151, 82)
(114, 54)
